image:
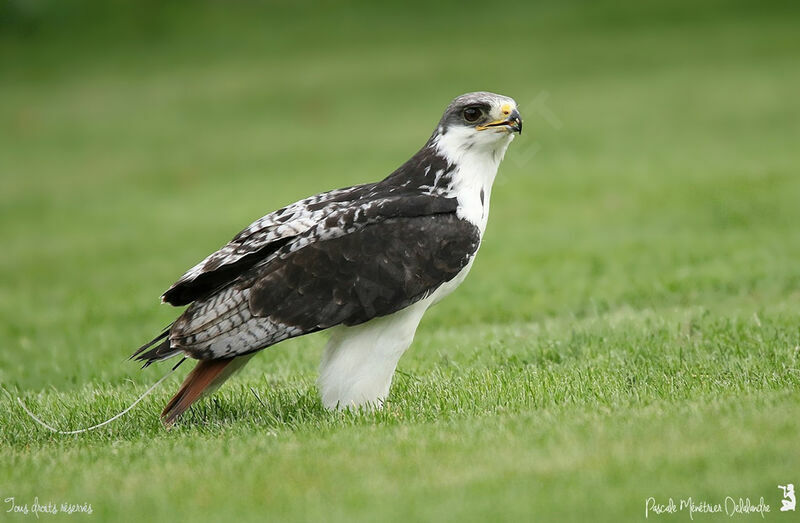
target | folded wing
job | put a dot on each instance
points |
(258, 241)
(372, 270)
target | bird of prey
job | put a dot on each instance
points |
(365, 262)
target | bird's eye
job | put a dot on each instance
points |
(471, 114)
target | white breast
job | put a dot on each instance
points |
(476, 166)
(473, 188)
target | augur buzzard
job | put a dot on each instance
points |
(365, 261)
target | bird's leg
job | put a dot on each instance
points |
(359, 361)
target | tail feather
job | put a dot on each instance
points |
(160, 352)
(204, 379)
(152, 342)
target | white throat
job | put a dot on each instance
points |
(476, 156)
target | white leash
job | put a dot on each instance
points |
(53, 429)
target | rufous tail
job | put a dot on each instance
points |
(204, 379)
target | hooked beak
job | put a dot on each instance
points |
(513, 123)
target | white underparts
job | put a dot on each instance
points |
(359, 361)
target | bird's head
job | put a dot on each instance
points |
(478, 121)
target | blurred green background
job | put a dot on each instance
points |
(653, 198)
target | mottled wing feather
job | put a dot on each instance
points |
(219, 321)
(376, 271)
(375, 266)
(258, 241)
(426, 173)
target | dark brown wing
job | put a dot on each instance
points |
(258, 241)
(375, 271)
(361, 263)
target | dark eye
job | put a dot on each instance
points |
(471, 114)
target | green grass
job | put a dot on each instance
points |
(630, 329)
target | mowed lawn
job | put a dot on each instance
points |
(631, 327)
